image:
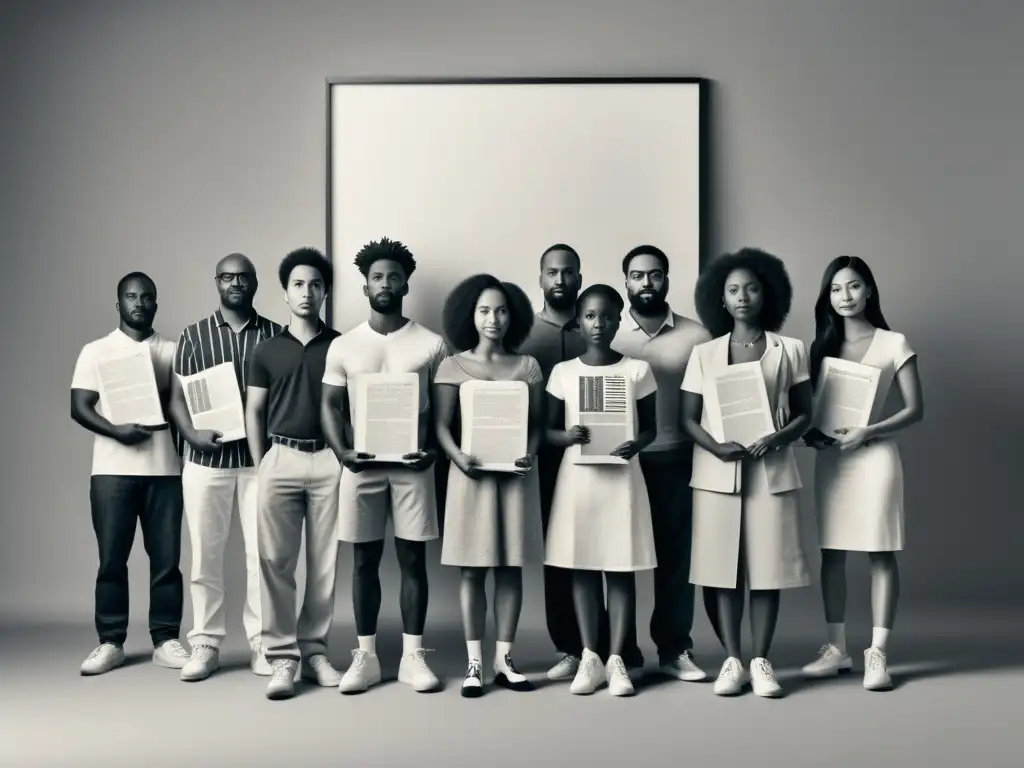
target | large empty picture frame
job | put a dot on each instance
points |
(483, 175)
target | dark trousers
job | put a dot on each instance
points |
(667, 476)
(558, 603)
(119, 503)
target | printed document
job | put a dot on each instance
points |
(845, 396)
(215, 401)
(607, 408)
(128, 387)
(743, 404)
(386, 422)
(495, 422)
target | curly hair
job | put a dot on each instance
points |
(600, 289)
(460, 306)
(770, 272)
(306, 257)
(385, 248)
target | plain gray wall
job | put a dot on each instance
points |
(161, 136)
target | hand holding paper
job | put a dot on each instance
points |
(356, 461)
(420, 460)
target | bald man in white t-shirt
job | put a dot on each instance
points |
(372, 493)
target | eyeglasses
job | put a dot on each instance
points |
(244, 278)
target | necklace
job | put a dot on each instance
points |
(747, 344)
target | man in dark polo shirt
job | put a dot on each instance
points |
(297, 476)
(218, 477)
(554, 338)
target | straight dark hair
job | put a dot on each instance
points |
(828, 333)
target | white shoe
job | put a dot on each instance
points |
(565, 669)
(731, 678)
(876, 672)
(473, 685)
(414, 671)
(204, 662)
(619, 683)
(684, 668)
(363, 672)
(317, 669)
(590, 674)
(258, 663)
(762, 679)
(103, 658)
(282, 679)
(171, 654)
(831, 661)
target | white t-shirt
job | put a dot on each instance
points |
(410, 349)
(155, 456)
(563, 383)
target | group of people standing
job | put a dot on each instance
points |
(683, 502)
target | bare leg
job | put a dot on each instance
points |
(621, 609)
(508, 602)
(473, 602)
(588, 599)
(730, 611)
(885, 589)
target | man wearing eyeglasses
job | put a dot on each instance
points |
(219, 477)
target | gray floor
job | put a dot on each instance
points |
(957, 703)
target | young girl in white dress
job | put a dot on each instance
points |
(600, 515)
(858, 474)
(492, 519)
(746, 498)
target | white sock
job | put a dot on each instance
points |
(411, 643)
(837, 635)
(368, 643)
(879, 638)
(500, 651)
(475, 649)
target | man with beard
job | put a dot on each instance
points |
(219, 477)
(135, 482)
(372, 493)
(297, 479)
(554, 338)
(651, 331)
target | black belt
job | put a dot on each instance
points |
(306, 446)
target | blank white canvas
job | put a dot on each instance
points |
(484, 177)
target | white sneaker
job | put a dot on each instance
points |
(684, 668)
(731, 678)
(171, 654)
(282, 679)
(258, 663)
(204, 662)
(619, 683)
(590, 674)
(317, 669)
(103, 658)
(876, 672)
(414, 671)
(363, 672)
(762, 679)
(566, 668)
(831, 661)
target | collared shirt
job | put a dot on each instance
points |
(212, 341)
(293, 374)
(668, 351)
(155, 456)
(551, 343)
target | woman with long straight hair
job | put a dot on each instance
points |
(858, 473)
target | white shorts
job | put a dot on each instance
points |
(368, 498)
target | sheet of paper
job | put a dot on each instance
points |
(387, 415)
(743, 404)
(495, 422)
(215, 401)
(845, 395)
(607, 409)
(129, 390)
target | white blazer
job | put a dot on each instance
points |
(783, 365)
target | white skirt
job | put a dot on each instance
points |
(600, 519)
(859, 498)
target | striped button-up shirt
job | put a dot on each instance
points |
(212, 342)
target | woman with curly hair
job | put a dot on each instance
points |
(746, 512)
(492, 519)
(849, 325)
(600, 514)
